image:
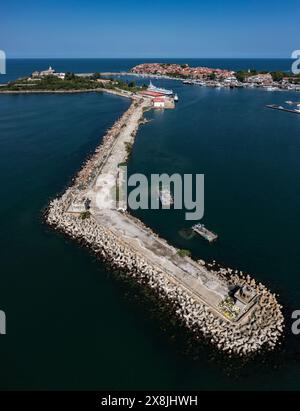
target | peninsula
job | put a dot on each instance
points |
(214, 77)
(50, 81)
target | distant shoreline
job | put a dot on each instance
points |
(149, 58)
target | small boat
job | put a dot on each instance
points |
(176, 97)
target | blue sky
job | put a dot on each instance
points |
(234, 28)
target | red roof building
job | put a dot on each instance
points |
(151, 93)
(159, 102)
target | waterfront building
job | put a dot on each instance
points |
(103, 81)
(49, 72)
(151, 94)
(35, 74)
(159, 102)
(261, 79)
(60, 75)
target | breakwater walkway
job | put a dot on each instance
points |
(230, 309)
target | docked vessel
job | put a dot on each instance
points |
(272, 88)
(205, 233)
(152, 87)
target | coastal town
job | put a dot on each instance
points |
(204, 76)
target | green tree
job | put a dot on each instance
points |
(278, 75)
(184, 253)
(70, 76)
(241, 76)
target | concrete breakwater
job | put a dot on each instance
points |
(199, 293)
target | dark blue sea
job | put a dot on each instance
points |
(74, 324)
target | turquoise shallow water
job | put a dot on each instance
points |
(70, 323)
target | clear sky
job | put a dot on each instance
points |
(149, 28)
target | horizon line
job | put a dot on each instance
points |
(149, 58)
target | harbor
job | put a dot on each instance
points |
(243, 323)
(210, 77)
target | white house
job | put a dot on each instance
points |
(159, 102)
(59, 75)
(49, 72)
